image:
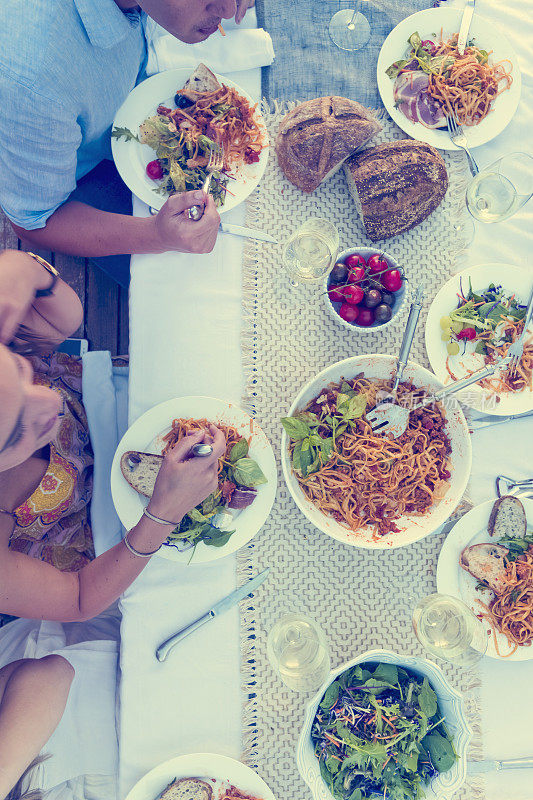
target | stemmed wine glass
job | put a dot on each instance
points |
(349, 28)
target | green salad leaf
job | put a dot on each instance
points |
(119, 133)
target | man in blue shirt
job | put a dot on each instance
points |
(66, 66)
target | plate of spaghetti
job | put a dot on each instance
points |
(208, 776)
(423, 79)
(472, 322)
(365, 489)
(162, 139)
(508, 609)
(230, 517)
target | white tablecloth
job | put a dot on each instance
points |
(185, 326)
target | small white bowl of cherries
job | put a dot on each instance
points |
(365, 289)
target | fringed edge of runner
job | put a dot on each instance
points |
(248, 638)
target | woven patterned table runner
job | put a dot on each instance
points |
(362, 599)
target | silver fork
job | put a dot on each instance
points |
(215, 164)
(458, 137)
(516, 350)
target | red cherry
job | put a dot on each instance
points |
(154, 170)
(336, 295)
(356, 274)
(379, 266)
(348, 312)
(353, 294)
(366, 317)
(392, 281)
(372, 262)
(354, 261)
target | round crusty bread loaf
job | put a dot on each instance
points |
(316, 137)
(396, 185)
(187, 789)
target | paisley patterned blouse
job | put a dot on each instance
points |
(53, 524)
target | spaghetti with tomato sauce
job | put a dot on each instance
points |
(371, 479)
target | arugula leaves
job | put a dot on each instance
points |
(378, 731)
(118, 133)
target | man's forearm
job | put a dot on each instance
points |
(81, 230)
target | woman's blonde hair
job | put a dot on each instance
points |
(17, 792)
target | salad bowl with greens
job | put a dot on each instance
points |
(384, 725)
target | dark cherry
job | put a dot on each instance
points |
(372, 298)
(388, 298)
(339, 273)
(382, 313)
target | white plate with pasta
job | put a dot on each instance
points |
(493, 397)
(147, 435)
(132, 158)
(485, 36)
(452, 580)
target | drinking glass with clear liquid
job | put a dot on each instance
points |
(502, 188)
(297, 650)
(349, 28)
(310, 253)
(448, 629)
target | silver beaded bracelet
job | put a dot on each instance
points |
(136, 552)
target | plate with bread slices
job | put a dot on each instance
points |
(201, 776)
(422, 77)
(247, 477)
(487, 562)
(166, 129)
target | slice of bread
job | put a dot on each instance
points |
(486, 562)
(187, 789)
(201, 80)
(507, 518)
(141, 470)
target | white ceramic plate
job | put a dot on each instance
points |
(455, 581)
(411, 527)
(450, 702)
(514, 281)
(132, 157)
(428, 23)
(145, 435)
(218, 771)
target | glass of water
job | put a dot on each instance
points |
(349, 28)
(448, 629)
(310, 253)
(502, 188)
(297, 650)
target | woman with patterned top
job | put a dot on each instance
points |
(47, 565)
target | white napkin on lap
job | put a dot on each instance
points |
(239, 49)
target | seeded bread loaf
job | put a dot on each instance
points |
(507, 518)
(316, 137)
(486, 562)
(141, 470)
(396, 185)
(187, 789)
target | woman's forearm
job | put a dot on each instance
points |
(103, 580)
(36, 590)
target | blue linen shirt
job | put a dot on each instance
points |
(66, 66)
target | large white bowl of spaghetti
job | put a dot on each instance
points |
(375, 491)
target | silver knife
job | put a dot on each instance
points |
(223, 605)
(494, 419)
(480, 767)
(251, 233)
(468, 13)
